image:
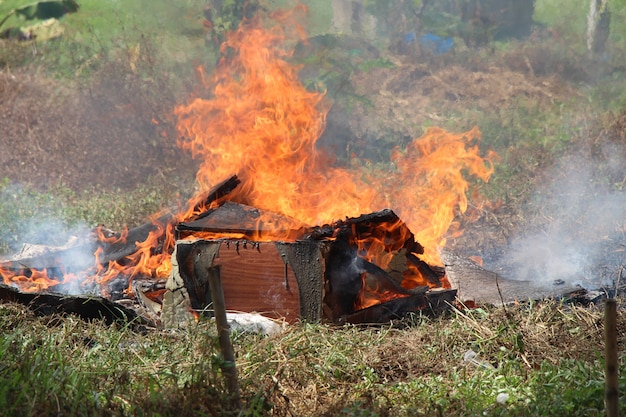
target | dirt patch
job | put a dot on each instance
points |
(411, 95)
(114, 133)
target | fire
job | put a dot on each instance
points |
(260, 122)
(432, 186)
(255, 119)
(152, 257)
(31, 281)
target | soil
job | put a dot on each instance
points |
(104, 135)
(119, 130)
(415, 95)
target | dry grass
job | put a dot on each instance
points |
(319, 370)
(547, 356)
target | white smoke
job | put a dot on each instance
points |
(38, 237)
(579, 230)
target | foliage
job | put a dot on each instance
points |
(100, 30)
(545, 357)
(568, 22)
(65, 366)
(42, 10)
(224, 16)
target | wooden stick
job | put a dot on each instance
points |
(119, 250)
(223, 330)
(611, 392)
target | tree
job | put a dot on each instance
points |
(598, 22)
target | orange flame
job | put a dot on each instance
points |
(259, 122)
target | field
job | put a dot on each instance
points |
(88, 136)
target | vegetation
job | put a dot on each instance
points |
(541, 358)
(534, 359)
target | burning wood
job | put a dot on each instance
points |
(86, 307)
(255, 278)
(373, 259)
(327, 272)
(258, 227)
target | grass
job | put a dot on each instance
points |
(76, 368)
(568, 18)
(101, 28)
(546, 357)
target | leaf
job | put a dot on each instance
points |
(47, 9)
(42, 31)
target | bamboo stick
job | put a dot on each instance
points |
(611, 393)
(229, 370)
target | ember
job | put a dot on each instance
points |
(259, 120)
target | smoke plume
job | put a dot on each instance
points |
(578, 235)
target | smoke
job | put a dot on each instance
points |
(578, 236)
(36, 234)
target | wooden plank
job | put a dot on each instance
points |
(118, 250)
(229, 370)
(239, 218)
(432, 304)
(482, 286)
(256, 279)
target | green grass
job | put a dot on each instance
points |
(569, 20)
(63, 366)
(546, 357)
(101, 31)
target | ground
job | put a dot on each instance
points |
(114, 133)
(111, 134)
(116, 129)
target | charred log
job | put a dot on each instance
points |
(119, 250)
(238, 218)
(194, 260)
(86, 307)
(431, 304)
(343, 279)
(348, 276)
(50, 257)
(432, 275)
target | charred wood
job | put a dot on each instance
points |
(85, 307)
(126, 247)
(81, 255)
(239, 218)
(432, 303)
(432, 276)
(348, 276)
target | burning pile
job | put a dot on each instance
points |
(256, 119)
